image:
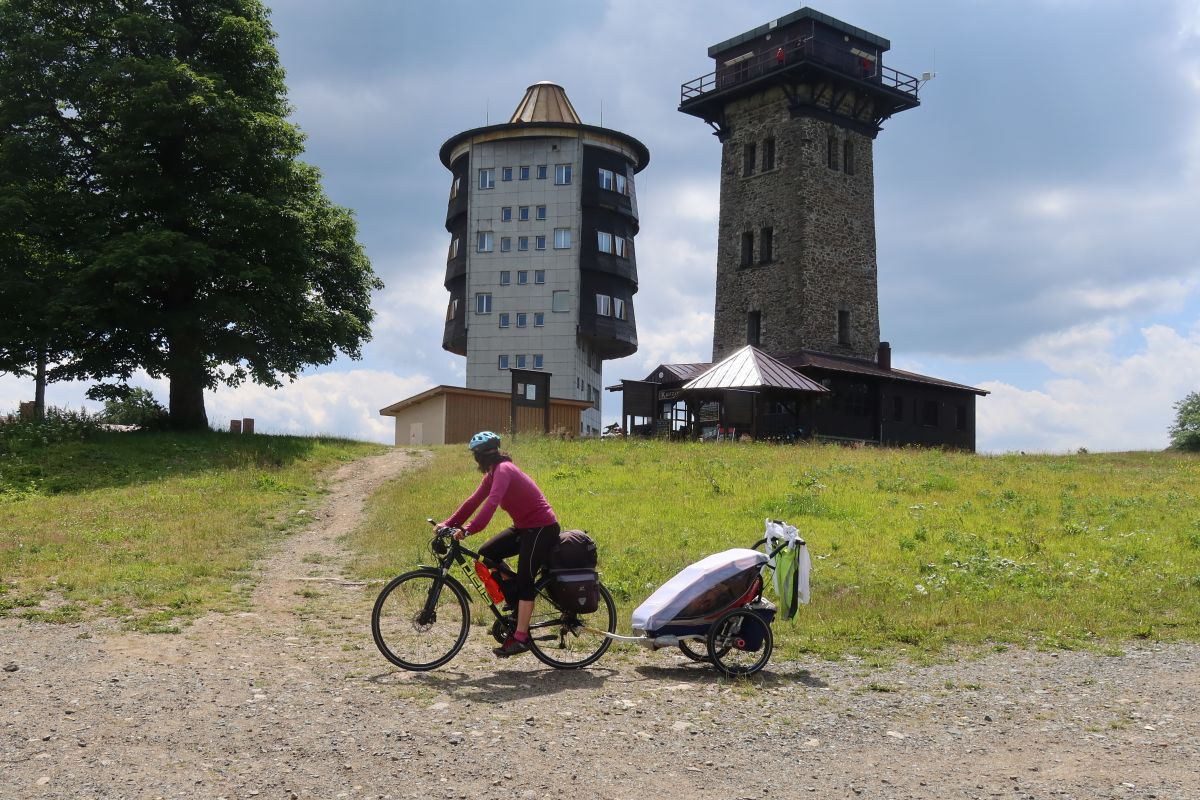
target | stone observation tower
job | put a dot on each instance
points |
(541, 269)
(797, 104)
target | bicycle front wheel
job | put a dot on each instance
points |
(568, 640)
(421, 620)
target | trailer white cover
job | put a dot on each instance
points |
(674, 595)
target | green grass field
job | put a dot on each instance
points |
(150, 528)
(913, 550)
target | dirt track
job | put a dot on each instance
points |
(291, 700)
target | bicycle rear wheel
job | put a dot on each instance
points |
(568, 640)
(421, 620)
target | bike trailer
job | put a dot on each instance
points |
(708, 587)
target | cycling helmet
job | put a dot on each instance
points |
(484, 440)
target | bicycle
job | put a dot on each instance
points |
(421, 618)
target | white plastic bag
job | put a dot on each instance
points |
(673, 596)
(791, 565)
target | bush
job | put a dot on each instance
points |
(136, 407)
(60, 425)
(1185, 433)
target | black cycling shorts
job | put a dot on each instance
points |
(532, 548)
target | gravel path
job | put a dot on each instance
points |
(291, 700)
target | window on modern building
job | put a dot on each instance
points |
(452, 309)
(560, 301)
(454, 187)
(505, 276)
(522, 242)
(539, 319)
(960, 418)
(897, 409)
(766, 244)
(454, 247)
(603, 305)
(539, 243)
(768, 161)
(487, 178)
(747, 248)
(506, 214)
(562, 174)
(541, 212)
(848, 157)
(619, 308)
(522, 277)
(521, 362)
(562, 238)
(503, 319)
(522, 319)
(929, 414)
(754, 328)
(604, 242)
(523, 173)
(503, 363)
(831, 148)
(538, 360)
(483, 303)
(485, 242)
(748, 158)
(621, 185)
(506, 174)
(542, 171)
(505, 244)
(523, 213)
(843, 330)
(607, 179)
(539, 276)
(619, 246)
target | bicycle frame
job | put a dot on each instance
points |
(465, 558)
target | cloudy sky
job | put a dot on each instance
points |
(1038, 217)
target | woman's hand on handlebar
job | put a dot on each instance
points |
(460, 534)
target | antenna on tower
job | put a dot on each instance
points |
(601, 112)
(487, 111)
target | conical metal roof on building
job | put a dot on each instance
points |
(545, 102)
(751, 368)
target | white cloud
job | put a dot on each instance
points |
(1099, 400)
(341, 403)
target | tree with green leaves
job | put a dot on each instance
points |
(192, 243)
(1185, 433)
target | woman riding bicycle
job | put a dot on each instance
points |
(534, 530)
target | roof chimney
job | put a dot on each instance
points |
(883, 357)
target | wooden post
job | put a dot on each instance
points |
(235, 426)
(248, 425)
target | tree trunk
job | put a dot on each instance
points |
(39, 391)
(185, 368)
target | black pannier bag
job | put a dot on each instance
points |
(575, 550)
(575, 590)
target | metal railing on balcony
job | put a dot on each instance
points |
(805, 50)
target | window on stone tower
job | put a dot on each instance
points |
(765, 243)
(843, 327)
(768, 161)
(848, 157)
(832, 145)
(754, 328)
(747, 248)
(487, 178)
(748, 158)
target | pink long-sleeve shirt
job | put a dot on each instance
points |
(510, 489)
